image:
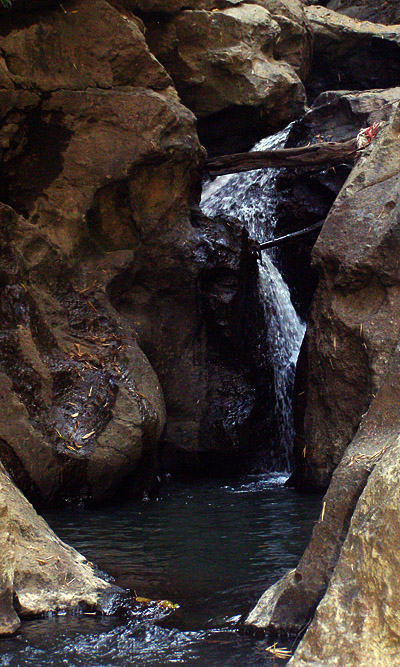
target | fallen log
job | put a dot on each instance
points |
(288, 237)
(328, 153)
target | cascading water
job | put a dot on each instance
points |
(250, 197)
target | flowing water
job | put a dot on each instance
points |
(250, 197)
(212, 548)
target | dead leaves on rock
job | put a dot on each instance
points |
(163, 604)
(367, 458)
(281, 653)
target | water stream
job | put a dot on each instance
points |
(250, 197)
(209, 547)
(212, 548)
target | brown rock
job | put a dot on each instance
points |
(241, 65)
(354, 319)
(9, 621)
(80, 404)
(306, 197)
(356, 624)
(41, 573)
(101, 160)
(351, 369)
(351, 54)
(387, 12)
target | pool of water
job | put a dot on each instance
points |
(210, 547)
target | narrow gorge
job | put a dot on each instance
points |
(211, 426)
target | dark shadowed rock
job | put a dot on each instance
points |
(350, 395)
(354, 320)
(238, 67)
(351, 54)
(39, 573)
(306, 195)
(101, 161)
(80, 405)
(387, 12)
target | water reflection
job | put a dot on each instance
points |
(211, 548)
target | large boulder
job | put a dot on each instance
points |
(357, 622)
(355, 318)
(387, 12)
(103, 251)
(40, 573)
(351, 54)
(239, 67)
(81, 407)
(306, 196)
(350, 356)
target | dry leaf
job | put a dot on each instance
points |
(88, 435)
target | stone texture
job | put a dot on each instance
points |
(356, 624)
(103, 251)
(240, 66)
(80, 404)
(349, 390)
(387, 12)
(354, 320)
(304, 197)
(351, 54)
(41, 574)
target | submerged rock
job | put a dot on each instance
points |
(40, 573)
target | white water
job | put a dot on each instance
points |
(250, 197)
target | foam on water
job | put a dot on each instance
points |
(251, 197)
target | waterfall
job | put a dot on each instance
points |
(250, 197)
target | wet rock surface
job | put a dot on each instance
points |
(39, 572)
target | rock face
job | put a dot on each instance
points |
(354, 320)
(351, 54)
(356, 624)
(350, 366)
(368, 10)
(240, 66)
(86, 406)
(306, 196)
(39, 573)
(99, 178)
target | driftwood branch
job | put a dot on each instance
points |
(288, 237)
(328, 153)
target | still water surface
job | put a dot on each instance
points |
(210, 547)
